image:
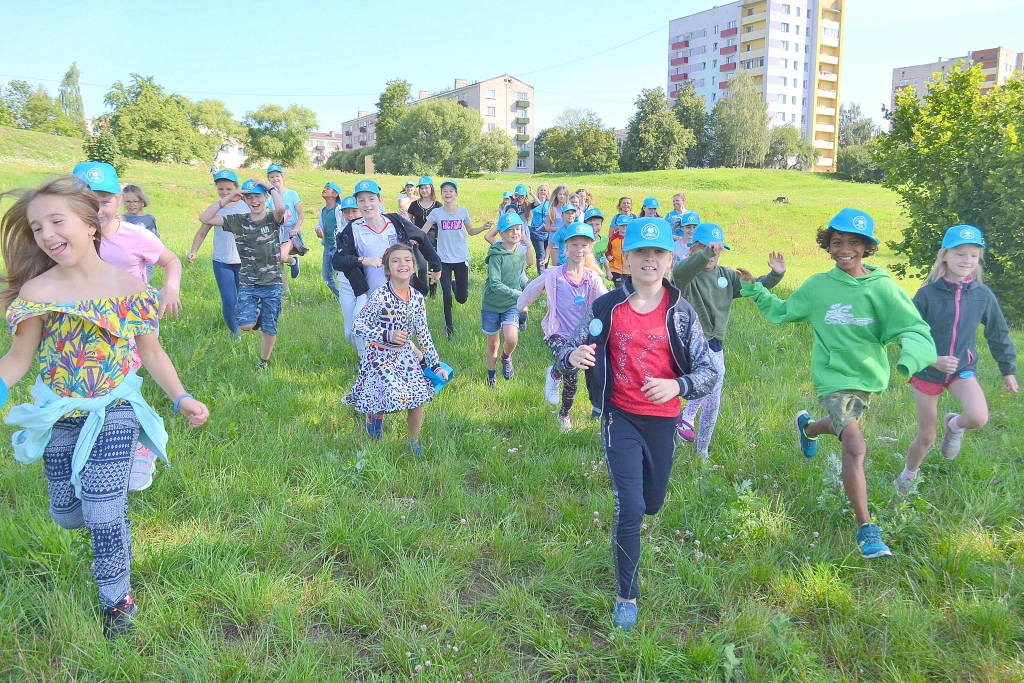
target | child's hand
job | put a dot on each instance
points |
(583, 356)
(777, 262)
(234, 197)
(525, 311)
(488, 225)
(320, 233)
(191, 256)
(399, 337)
(443, 374)
(434, 275)
(946, 364)
(293, 232)
(196, 411)
(716, 248)
(1011, 384)
(659, 391)
(746, 275)
(373, 261)
(170, 302)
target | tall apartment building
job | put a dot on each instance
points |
(792, 50)
(997, 64)
(321, 145)
(503, 103)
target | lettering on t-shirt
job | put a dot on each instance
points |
(840, 314)
(451, 225)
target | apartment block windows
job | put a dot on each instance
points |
(796, 47)
(797, 31)
(523, 96)
(224, 148)
(714, 47)
(915, 81)
(752, 63)
(520, 163)
(521, 113)
(731, 24)
(796, 65)
(490, 127)
(803, 119)
(490, 94)
(807, 49)
(241, 150)
(490, 111)
(832, 33)
(784, 80)
(785, 45)
(521, 130)
(784, 63)
(785, 9)
(714, 63)
(749, 45)
(785, 27)
(904, 83)
(713, 79)
(782, 99)
(808, 31)
(715, 30)
(792, 118)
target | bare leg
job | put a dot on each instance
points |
(492, 351)
(854, 450)
(511, 339)
(415, 418)
(267, 345)
(973, 406)
(819, 427)
(286, 258)
(927, 415)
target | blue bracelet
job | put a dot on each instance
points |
(178, 400)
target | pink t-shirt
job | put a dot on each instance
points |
(131, 249)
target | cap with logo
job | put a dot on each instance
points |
(706, 233)
(521, 191)
(593, 213)
(333, 186)
(622, 219)
(251, 186)
(651, 203)
(567, 207)
(409, 183)
(226, 174)
(963, 234)
(650, 232)
(689, 218)
(508, 220)
(366, 186)
(426, 180)
(274, 167)
(452, 183)
(506, 195)
(349, 202)
(856, 222)
(99, 176)
(579, 230)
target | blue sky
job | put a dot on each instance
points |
(334, 57)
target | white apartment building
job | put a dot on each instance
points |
(997, 65)
(792, 50)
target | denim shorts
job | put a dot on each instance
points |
(252, 300)
(491, 323)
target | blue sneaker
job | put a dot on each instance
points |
(295, 267)
(869, 540)
(624, 615)
(414, 446)
(808, 446)
(375, 426)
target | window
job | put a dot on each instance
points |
(520, 163)
(804, 100)
(749, 45)
(714, 47)
(785, 27)
(1006, 68)
(807, 49)
(490, 127)
(784, 63)
(490, 111)
(716, 30)
(730, 41)
(750, 12)
(521, 96)
(714, 63)
(904, 83)
(796, 47)
(782, 99)
(703, 66)
(930, 80)
(784, 80)
(797, 31)
(714, 96)
(792, 118)
(713, 80)
(832, 33)
(490, 94)
(224, 148)
(521, 113)
(915, 81)
(805, 83)
(785, 9)
(521, 130)
(808, 12)
(795, 84)
(241, 151)
(803, 119)
(679, 54)
(785, 45)
(805, 66)
(782, 116)
(731, 24)
(808, 31)
(796, 65)
(752, 63)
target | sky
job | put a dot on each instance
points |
(335, 57)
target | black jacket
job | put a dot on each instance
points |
(346, 258)
(696, 371)
(954, 311)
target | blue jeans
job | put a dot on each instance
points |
(540, 247)
(328, 272)
(491, 323)
(226, 275)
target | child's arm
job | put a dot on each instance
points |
(170, 293)
(476, 231)
(426, 248)
(160, 368)
(300, 215)
(532, 291)
(22, 353)
(777, 263)
(430, 357)
(492, 235)
(198, 240)
(209, 215)
(792, 310)
(904, 325)
(494, 277)
(368, 325)
(319, 229)
(687, 269)
(280, 210)
(530, 258)
(997, 333)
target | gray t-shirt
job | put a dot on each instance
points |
(452, 245)
(224, 249)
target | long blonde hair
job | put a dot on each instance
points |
(552, 206)
(23, 258)
(940, 270)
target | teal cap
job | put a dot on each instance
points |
(521, 191)
(651, 203)
(426, 180)
(274, 167)
(366, 186)
(579, 230)
(99, 176)
(452, 183)
(334, 187)
(689, 218)
(252, 186)
(650, 232)
(226, 174)
(963, 234)
(593, 213)
(508, 220)
(506, 195)
(349, 202)
(856, 222)
(567, 207)
(706, 233)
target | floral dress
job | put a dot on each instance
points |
(390, 375)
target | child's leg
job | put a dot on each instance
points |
(267, 345)
(446, 294)
(461, 272)
(511, 333)
(927, 414)
(689, 414)
(270, 303)
(570, 382)
(415, 420)
(286, 250)
(226, 276)
(492, 351)
(65, 507)
(327, 272)
(973, 406)
(709, 409)
(854, 450)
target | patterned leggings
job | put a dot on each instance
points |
(570, 381)
(103, 509)
(709, 412)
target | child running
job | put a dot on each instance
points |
(556, 247)
(642, 348)
(499, 315)
(674, 217)
(570, 289)
(650, 208)
(350, 303)
(682, 233)
(710, 289)
(391, 375)
(954, 302)
(294, 215)
(330, 219)
(615, 264)
(260, 276)
(855, 311)
(88, 411)
(135, 200)
(538, 233)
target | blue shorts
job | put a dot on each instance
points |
(491, 323)
(259, 301)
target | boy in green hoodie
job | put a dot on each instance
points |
(855, 311)
(499, 315)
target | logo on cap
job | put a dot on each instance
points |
(363, 185)
(716, 233)
(967, 234)
(860, 223)
(94, 175)
(650, 232)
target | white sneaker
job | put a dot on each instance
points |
(951, 441)
(143, 469)
(552, 388)
(564, 424)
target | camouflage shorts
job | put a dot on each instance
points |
(845, 407)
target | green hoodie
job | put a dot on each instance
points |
(854, 319)
(504, 278)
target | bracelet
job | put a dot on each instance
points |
(178, 400)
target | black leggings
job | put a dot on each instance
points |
(570, 380)
(461, 271)
(639, 450)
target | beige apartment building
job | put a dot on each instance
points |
(503, 103)
(997, 65)
(320, 146)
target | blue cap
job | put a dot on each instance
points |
(650, 232)
(651, 203)
(512, 207)
(963, 234)
(593, 213)
(366, 186)
(334, 187)
(99, 176)
(426, 180)
(507, 220)
(452, 183)
(856, 222)
(622, 219)
(579, 230)
(226, 174)
(349, 202)
(251, 186)
(567, 207)
(410, 182)
(506, 195)
(435, 379)
(521, 191)
(274, 167)
(706, 233)
(689, 218)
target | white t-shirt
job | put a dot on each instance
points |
(371, 244)
(452, 245)
(224, 249)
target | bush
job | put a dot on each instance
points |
(856, 163)
(104, 147)
(349, 161)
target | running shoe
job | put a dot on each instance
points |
(143, 469)
(684, 430)
(808, 446)
(375, 426)
(117, 620)
(507, 371)
(414, 446)
(552, 387)
(259, 319)
(951, 441)
(564, 424)
(236, 337)
(295, 267)
(262, 365)
(624, 615)
(869, 540)
(492, 378)
(905, 487)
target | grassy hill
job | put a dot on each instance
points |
(282, 545)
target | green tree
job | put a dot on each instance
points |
(541, 160)
(391, 107)
(70, 96)
(787, 149)
(102, 146)
(6, 116)
(854, 127)
(740, 124)
(692, 112)
(580, 143)
(212, 117)
(856, 163)
(153, 125)
(34, 109)
(435, 137)
(279, 135)
(656, 140)
(495, 152)
(956, 158)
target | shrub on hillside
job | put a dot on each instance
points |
(103, 147)
(856, 163)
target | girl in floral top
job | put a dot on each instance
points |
(87, 411)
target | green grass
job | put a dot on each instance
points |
(282, 546)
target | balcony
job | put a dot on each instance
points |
(829, 42)
(724, 85)
(827, 76)
(680, 45)
(362, 143)
(679, 60)
(824, 144)
(827, 94)
(823, 163)
(362, 129)
(824, 128)
(756, 34)
(828, 59)
(319, 148)
(727, 67)
(521, 137)
(825, 111)
(674, 94)
(523, 154)
(678, 77)
(522, 104)
(754, 18)
(729, 49)
(729, 32)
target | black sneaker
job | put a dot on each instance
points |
(262, 365)
(492, 378)
(117, 620)
(259, 318)
(507, 371)
(295, 267)
(449, 331)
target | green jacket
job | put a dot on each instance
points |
(711, 292)
(853, 319)
(504, 278)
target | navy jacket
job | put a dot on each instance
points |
(346, 258)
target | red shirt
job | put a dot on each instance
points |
(639, 350)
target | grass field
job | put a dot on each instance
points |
(281, 545)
